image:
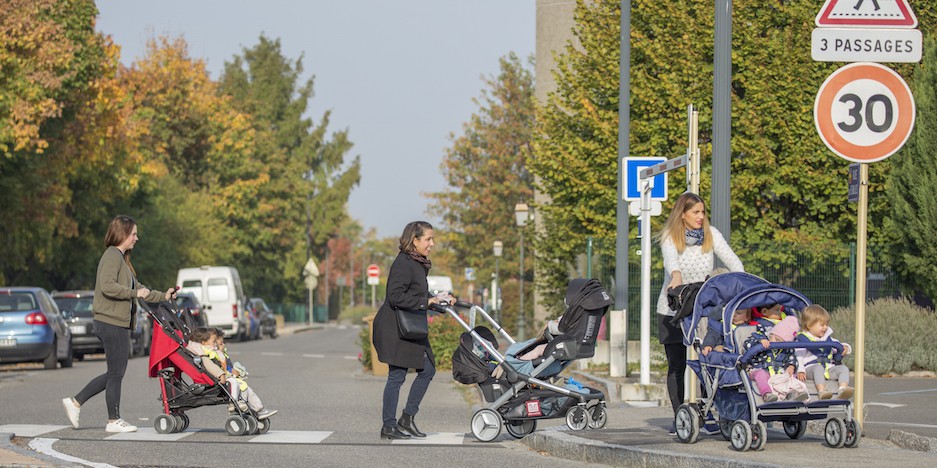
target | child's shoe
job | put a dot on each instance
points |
(825, 395)
(770, 397)
(798, 396)
(845, 393)
(265, 413)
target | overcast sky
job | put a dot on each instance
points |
(399, 75)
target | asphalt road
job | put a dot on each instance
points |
(329, 414)
(904, 403)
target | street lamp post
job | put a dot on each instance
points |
(498, 249)
(521, 214)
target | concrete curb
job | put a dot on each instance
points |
(909, 441)
(12, 455)
(564, 445)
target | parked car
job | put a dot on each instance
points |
(81, 323)
(188, 300)
(32, 329)
(268, 321)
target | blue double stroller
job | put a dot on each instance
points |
(730, 398)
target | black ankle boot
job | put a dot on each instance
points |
(407, 423)
(393, 433)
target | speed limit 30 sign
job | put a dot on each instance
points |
(864, 112)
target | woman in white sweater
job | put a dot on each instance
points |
(688, 244)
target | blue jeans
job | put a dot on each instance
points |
(395, 378)
(116, 341)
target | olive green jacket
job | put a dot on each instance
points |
(114, 290)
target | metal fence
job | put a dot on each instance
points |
(827, 279)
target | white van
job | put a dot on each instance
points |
(219, 290)
(438, 284)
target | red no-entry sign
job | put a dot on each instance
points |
(374, 271)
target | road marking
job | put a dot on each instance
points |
(270, 354)
(908, 392)
(44, 446)
(317, 356)
(30, 430)
(150, 434)
(436, 438)
(292, 437)
(355, 358)
(887, 405)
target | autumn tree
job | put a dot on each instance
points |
(307, 178)
(486, 175)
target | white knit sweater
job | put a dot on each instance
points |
(693, 264)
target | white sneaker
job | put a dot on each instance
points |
(120, 426)
(265, 413)
(72, 409)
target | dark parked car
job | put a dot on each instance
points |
(80, 322)
(268, 322)
(32, 329)
(187, 300)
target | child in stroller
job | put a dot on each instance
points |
(730, 396)
(773, 369)
(184, 382)
(518, 391)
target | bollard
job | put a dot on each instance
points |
(377, 367)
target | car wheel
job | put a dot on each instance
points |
(51, 361)
(68, 361)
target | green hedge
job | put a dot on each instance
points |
(899, 336)
(444, 334)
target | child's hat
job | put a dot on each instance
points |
(786, 329)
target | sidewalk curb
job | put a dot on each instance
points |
(564, 445)
(12, 455)
(909, 441)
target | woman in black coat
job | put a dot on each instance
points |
(406, 290)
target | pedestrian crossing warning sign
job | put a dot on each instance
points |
(866, 14)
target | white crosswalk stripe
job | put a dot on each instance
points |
(149, 434)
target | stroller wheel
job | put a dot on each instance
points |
(520, 429)
(486, 425)
(598, 417)
(725, 429)
(759, 436)
(835, 432)
(263, 426)
(687, 423)
(251, 424)
(235, 426)
(185, 422)
(741, 435)
(576, 418)
(165, 424)
(795, 429)
(853, 433)
(179, 423)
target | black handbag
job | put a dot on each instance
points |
(411, 324)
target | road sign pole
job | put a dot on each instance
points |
(646, 185)
(860, 290)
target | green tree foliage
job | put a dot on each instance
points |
(913, 185)
(486, 175)
(787, 187)
(306, 173)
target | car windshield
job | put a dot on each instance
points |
(17, 302)
(186, 301)
(80, 306)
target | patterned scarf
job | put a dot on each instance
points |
(421, 259)
(694, 237)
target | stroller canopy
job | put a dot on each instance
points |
(715, 293)
(586, 304)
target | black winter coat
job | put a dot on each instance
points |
(406, 289)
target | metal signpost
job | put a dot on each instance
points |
(864, 112)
